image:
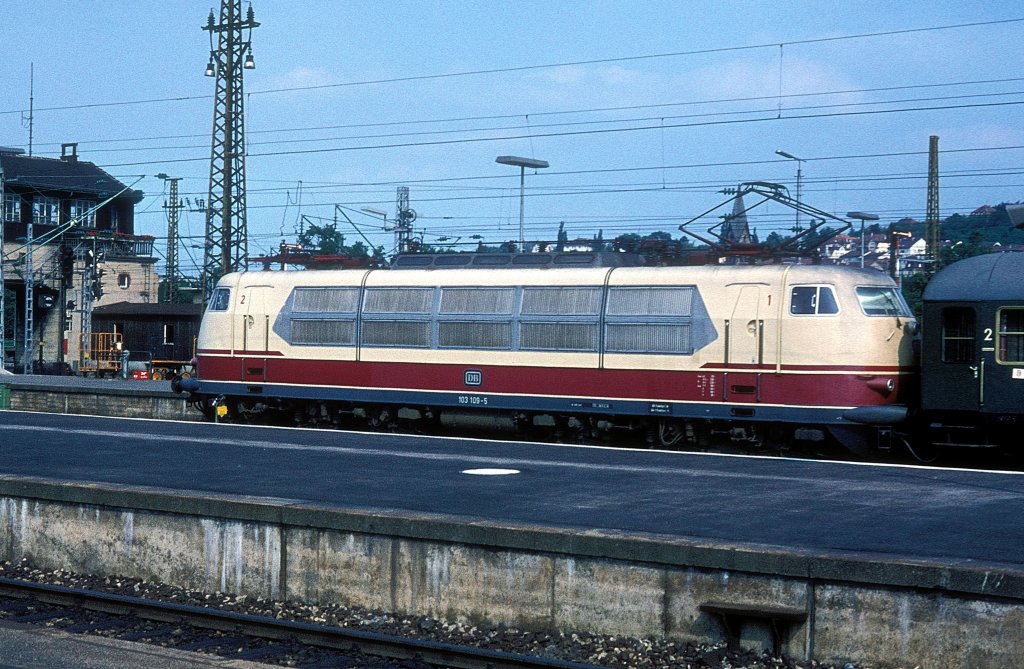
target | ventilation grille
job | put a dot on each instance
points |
(561, 301)
(648, 338)
(396, 333)
(325, 299)
(559, 336)
(324, 332)
(477, 301)
(456, 334)
(398, 300)
(650, 301)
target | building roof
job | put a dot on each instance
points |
(149, 309)
(67, 175)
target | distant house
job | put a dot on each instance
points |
(68, 234)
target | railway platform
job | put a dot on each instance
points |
(833, 561)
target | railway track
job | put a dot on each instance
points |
(241, 636)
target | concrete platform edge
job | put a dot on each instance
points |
(957, 578)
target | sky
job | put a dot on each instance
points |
(646, 110)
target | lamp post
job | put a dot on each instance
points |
(799, 180)
(522, 164)
(862, 216)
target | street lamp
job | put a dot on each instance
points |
(799, 181)
(862, 216)
(522, 164)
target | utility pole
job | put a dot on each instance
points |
(931, 220)
(173, 205)
(227, 247)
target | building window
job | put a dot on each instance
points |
(812, 300)
(12, 208)
(958, 335)
(124, 280)
(83, 213)
(169, 334)
(1011, 335)
(45, 210)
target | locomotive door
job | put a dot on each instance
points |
(744, 345)
(254, 333)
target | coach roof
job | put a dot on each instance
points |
(993, 276)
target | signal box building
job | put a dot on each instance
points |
(68, 245)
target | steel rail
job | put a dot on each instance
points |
(335, 638)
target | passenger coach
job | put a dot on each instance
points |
(973, 352)
(749, 352)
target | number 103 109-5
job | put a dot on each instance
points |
(473, 400)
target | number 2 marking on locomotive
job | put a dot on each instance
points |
(988, 334)
(242, 301)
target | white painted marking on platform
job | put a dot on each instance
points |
(490, 472)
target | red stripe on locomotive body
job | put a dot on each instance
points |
(821, 386)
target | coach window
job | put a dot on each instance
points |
(1011, 335)
(958, 335)
(812, 300)
(220, 300)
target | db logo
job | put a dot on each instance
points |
(474, 377)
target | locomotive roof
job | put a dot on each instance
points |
(704, 274)
(993, 276)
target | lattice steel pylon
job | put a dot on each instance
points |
(933, 239)
(227, 245)
(173, 205)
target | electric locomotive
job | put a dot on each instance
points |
(754, 354)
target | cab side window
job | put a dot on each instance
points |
(958, 335)
(812, 300)
(220, 300)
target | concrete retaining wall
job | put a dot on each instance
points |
(898, 614)
(143, 401)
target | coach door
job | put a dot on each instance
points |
(744, 351)
(254, 333)
(1002, 362)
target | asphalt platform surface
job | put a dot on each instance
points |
(878, 512)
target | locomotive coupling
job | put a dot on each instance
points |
(189, 384)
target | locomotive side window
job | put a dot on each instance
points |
(812, 300)
(881, 301)
(220, 300)
(1011, 335)
(958, 335)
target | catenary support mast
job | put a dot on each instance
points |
(227, 248)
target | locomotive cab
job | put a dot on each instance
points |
(972, 354)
